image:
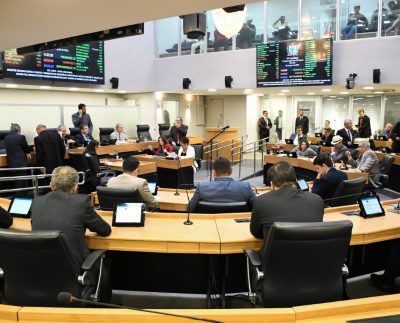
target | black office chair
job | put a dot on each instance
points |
(143, 132)
(52, 129)
(97, 175)
(74, 131)
(380, 180)
(163, 129)
(3, 134)
(104, 134)
(212, 207)
(316, 148)
(300, 263)
(353, 187)
(37, 265)
(108, 197)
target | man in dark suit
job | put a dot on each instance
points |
(17, 154)
(82, 118)
(279, 124)
(347, 133)
(223, 189)
(326, 139)
(71, 213)
(284, 202)
(395, 135)
(328, 178)
(50, 149)
(67, 138)
(178, 131)
(83, 138)
(364, 125)
(302, 121)
(264, 124)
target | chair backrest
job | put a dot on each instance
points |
(163, 129)
(78, 161)
(386, 164)
(212, 207)
(302, 262)
(37, 265)
(3, 134)
(108, 197)
(316, 148)
(348, 187)
(143, 132)
(104, 135)
(52, 129)
(74, 131)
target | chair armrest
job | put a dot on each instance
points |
(253, 256)
(92, 258)
(105, 173)
(379, 174)
(103, 168)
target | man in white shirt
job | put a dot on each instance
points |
(119, 134)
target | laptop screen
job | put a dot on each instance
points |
(153, 187)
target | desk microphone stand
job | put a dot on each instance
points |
(221, 131)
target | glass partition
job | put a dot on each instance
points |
(336, 110)
(391, 18)
(282, 17)
(358, 19)
(216, 41)
(252, 32)
(372, 108)
(392, 109)
(318, 19)
(167, 37)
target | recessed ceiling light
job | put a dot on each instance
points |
(329, 99)
(344, 93)
(11, 85)
(340, 98)
(212, 90)
(326, 90)
(122, 92)
(397, 103)
(281, 93)
(44, 87)
(74, 89)
(311, 93)
(285, 91)
(332, 96)
(370, 96)
(248, 90)
(378, 92)
(99, 90)
(258, 94)
(368, 88)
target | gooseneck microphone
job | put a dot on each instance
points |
(67, 298)
(187, 222)
(226, 127)
(365, 193)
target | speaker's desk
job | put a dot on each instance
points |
(120, 148)
(145, 167)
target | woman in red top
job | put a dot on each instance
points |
(164, 147)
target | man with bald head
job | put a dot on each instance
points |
(119, 133)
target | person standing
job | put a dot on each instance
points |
(364, 125)
(279, 124)
(395, 135)
(347, 133)
(178, 131)
(302, 121)
(264, 124)
(50, 148)
(82, 118)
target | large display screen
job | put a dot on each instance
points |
(81, 63)
(295, 63)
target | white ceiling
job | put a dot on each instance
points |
(28, 22)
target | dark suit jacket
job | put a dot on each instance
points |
(326, 141)
(346, 140)
(222, 190)
(16, 148)
(294, 135)
(326, 186)
(396, 134)
(286, 204)
(70, 213)
(5, 219)
(302, 123)
(50, 150)
(80, 141)
(84, 120)
(262, 124)
(174, 131)
(365, 130)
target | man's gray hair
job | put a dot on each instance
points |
(61, 126)
(364, 144)
(347, 121)
(119, 124)
(64, 178)
(15, 127)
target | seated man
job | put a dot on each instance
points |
(328, 178)
(129, 180)
(224, 189)
(367, 162)
(285, 202)
(356, 22)
(65, 211)
(62, 131)
(298, 136)
(326, 139)
(119, 133)
(84, 137)
(388, 130)
(339, 151)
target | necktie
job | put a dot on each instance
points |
(360, 123)
(119, 137)
(349, 133)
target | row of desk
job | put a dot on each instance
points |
(335, 312)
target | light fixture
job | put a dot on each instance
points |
(11, 86)
(344, 93)
(311, 93)
(228, 24)
(326, 90)
(212, 90)
(158, 95)
(44, 87)
(285, 91)
(368, 88)
(282, 93)
(378, 92)
(188, 97)
(74, 89)
(122, 92)
(248, 91)
(99, 90)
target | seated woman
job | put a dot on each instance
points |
(187, 151)
(163, 148)
(304, 150)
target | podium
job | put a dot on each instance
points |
(224, 143)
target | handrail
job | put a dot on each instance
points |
(230, 145)
(227, 140)
(247, 144)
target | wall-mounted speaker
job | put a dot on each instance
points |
(114, 82)
(376, 75)
(228, 81)
(186, 83)
(194, 25)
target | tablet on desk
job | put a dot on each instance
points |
(20, 207)
(153, 187)
(370, 206)
(289, 141)
(302, 184)
(128, 215)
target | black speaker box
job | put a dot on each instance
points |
(185, 83)
(114, 82)
(228, 81)
(376, 75)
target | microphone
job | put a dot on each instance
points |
(365, 193)
(224, 128)
(178, 186)
(67, 298)
(187, 222)
(397, 208)
(255, 188)
(343, 165)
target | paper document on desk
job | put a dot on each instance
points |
(172, 155)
